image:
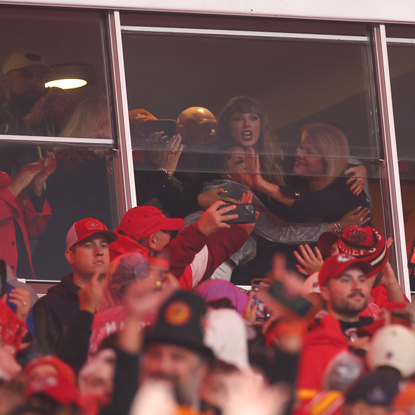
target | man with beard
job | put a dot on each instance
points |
(27, 108)
(345, 290)
(172, 349)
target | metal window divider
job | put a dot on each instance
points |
(389, 169)
(123, 158)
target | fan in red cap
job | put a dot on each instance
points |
(345, 290)
(87, 252)
(365, 243)
(368, 244)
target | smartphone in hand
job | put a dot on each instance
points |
(245, 212)
(260, 285)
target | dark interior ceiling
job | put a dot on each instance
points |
(63, 37)
(295, 81)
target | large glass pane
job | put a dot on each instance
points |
(401, 52)
(321, 79)
(45, 46)
(36, 217)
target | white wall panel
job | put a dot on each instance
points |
(354, 10)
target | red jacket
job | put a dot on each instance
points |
(31, 223)
(193, 256)
(320, 345)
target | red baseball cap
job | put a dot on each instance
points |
(57, 387)
(87, 227)
(147, 123)
(63, 369)
(142, 221)
(365, 243)
(333, 266)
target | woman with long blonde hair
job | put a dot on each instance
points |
(321, 161)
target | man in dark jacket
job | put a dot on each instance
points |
(87, 251)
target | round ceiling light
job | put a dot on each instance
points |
(70, 83)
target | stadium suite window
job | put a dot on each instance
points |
(401, 54)
(298, 72)
(74, 124)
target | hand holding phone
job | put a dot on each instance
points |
(245, 212)
(260, 287)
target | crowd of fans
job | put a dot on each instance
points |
(152, 319)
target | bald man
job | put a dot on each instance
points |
(197, 126)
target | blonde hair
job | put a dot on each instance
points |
(87, 118)
(268, 150)
(333, 146)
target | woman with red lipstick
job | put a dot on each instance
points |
(243, 121)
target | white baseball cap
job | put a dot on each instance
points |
(19, 60)
(393, 345)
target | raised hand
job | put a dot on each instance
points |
(251, 175)
(49, 167)
(60, 104)
(358, 179)
(21, 299)
(215, 218)
(249, 312)
(142, 299)
(309, 262)
(167, 154)
(357, 216)
(24, 176)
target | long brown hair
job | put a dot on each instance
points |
(268, 150)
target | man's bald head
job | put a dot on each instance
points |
(197, 126)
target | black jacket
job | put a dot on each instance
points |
(53, 313)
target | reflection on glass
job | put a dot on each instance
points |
(401, 54)
(79, 187)
(25, 212)
(26, 106)
(290, 120)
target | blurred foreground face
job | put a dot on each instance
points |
(8, 365)
(178, 365)
(41, 370)
(217, 387)
(100, 381)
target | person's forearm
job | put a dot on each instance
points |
(274, 191)
(125, 382)
(394, 292)
(130, 338)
